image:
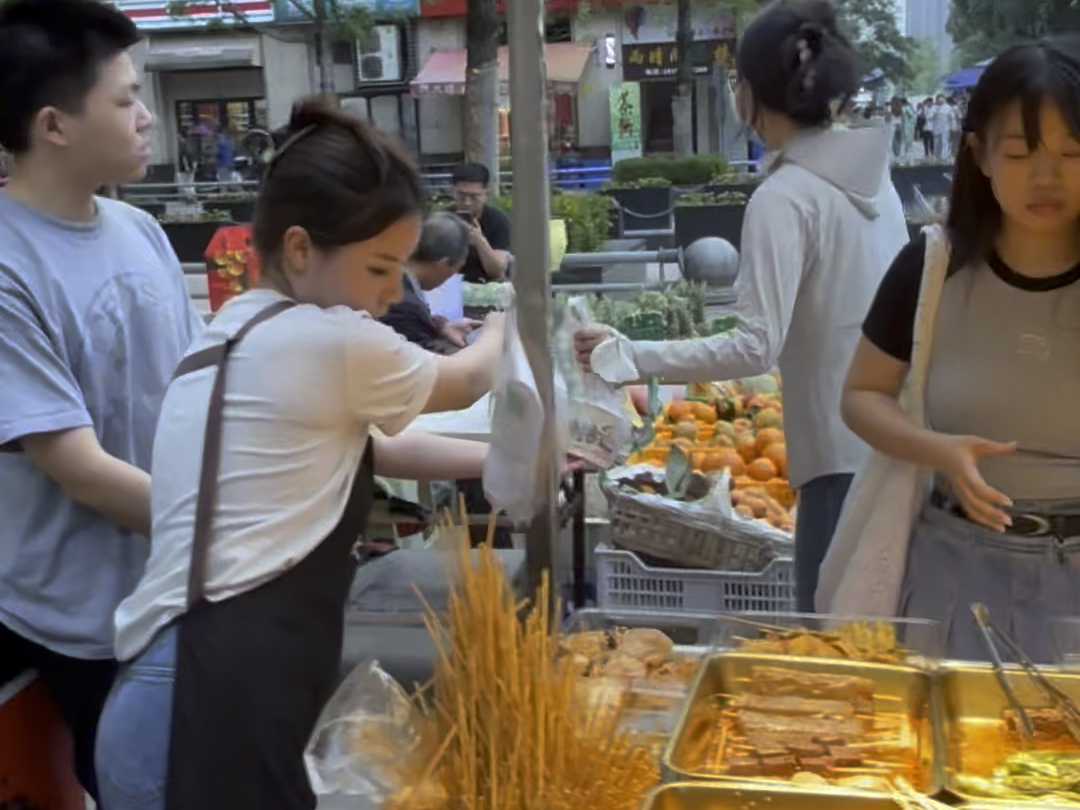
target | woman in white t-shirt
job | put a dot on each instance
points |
(262, 482)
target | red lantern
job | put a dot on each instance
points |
(232, 267)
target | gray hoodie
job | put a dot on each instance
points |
(819, 234)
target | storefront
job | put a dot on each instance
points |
(443, 75)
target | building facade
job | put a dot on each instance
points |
(239, 70)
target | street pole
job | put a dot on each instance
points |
(531, 247)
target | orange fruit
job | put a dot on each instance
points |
(768, 436)
(780, 491)
(730, 460)
(724, 429)
(744, 511)
(746, 446)
(703, 412)
(742, 425)
(769, 418)
(777, 454)
(678, 411)
(723, 441)
(685, 430)
(697, 460)
(655, 455)
(761, 469)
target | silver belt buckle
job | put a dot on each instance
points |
(1031, 526)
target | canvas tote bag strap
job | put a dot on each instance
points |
(935, 268)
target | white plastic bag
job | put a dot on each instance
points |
(511, 483)
(368, 723)
(863, 570)
(600, 429)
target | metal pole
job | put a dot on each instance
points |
(532, 282)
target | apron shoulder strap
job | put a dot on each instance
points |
(206, 500)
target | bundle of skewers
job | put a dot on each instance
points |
(504, 727)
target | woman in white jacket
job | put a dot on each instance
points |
(818, 236)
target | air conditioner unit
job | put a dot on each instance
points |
(378, 55)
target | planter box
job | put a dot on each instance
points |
(932, 181)
(189, 239)
(645, 209)
(242, 212)
(694, 222)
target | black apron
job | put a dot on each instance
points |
(254, 671)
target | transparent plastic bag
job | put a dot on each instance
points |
(599, 415)
(511, 483)
(368, 724)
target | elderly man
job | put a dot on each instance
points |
(489, 228)
(443, 249)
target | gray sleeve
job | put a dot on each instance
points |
(195, 322)
(39, 393)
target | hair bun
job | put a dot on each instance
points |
(320, 112)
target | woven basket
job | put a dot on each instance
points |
(686, 540)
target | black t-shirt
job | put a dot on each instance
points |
(890, 324)
(411, 317)
(495, 226)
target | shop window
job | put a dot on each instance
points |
(555, 30)
(199, 122)
(344, 53)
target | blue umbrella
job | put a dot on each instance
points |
(965, 78)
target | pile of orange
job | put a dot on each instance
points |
(750, 446)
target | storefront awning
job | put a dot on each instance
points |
(205, 55)
(444, 72)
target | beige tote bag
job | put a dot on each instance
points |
(863, 570)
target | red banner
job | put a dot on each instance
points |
(457, 8)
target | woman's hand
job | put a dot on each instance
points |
(585, 340)
(958, 459)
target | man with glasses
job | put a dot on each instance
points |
(489, 228)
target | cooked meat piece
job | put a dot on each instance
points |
(649, 646)
(1048, 723)
(784, 744)
(793, 706)
(805, 748)
(744, 766)
(780, 682)
(822, 765)
(748, 722)
(845, 757)
(778, 766)
(812, 647)
(829, 742)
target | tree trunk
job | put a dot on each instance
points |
(682, 103)
(482, 86)
(324, 50)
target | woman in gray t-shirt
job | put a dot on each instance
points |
(1002, 525)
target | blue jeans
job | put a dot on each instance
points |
(134, 730)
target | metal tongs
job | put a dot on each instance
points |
(993, 635)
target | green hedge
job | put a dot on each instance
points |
(678, 171)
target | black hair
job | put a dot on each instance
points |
(817, 71)
(445, 237)
(1031, 74)
(471, 173)
(340, 179)
(51, 53)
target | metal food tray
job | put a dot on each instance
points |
(697, 796)
(909, 688)
(972, 698)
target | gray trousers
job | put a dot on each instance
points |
(1026, 582)
(820, 503)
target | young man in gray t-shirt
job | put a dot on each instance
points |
(94, 317)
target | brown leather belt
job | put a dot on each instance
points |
(1061, 527)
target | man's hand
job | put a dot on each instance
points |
(476, 236)
(585, 340)
(456, 332)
